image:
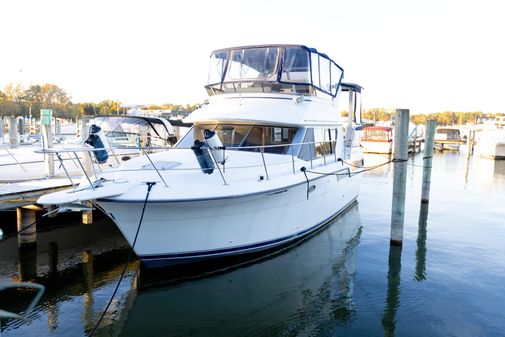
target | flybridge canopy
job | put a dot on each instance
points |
(291, 69)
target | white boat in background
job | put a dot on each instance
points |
(380, 138)
(125, 134)
(492, 144)
(448, 138)
(377, 139)
(264, 165)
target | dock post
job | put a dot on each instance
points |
(27, 230)
(21, 127)
(427, 160)
(47, 140)
(469, 143)
(87, 216)
(13, 132)
(400, 158)
(57, 129)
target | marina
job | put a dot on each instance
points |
(446, 280)
(169, 169)
(268, 191)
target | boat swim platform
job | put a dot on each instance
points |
(17, 194)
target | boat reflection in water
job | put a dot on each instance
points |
(302, 290)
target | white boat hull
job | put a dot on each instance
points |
(183, 232)
(377, 147)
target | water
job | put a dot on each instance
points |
(446, 280)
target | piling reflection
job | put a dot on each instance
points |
(393, 291)
(306, 289)
(27, 264)
(53, 257)
(421, 243)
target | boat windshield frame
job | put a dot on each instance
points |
(291, 69)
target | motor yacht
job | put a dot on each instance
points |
(267, 162)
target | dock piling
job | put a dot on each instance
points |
(427, 160)
(21, 127)
(13, 132)
(469, 143)
(87, 216)
(400, 157)
(27, 230)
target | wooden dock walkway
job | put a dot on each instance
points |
(24, 193)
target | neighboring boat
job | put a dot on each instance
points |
(492, 144)
(125, 135)
(380, 138)
(448, 138)
(264, 165)
(377, 139)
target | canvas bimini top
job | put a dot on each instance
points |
(287, 69)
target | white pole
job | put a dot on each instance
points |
(428, 159)
(401, 156)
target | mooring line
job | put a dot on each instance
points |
(149, 187)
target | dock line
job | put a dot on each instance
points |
(149, 187)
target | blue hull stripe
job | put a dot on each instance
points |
(243, 249)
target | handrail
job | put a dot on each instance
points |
(92, 149)
(326, 148)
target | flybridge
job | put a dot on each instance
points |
(288, 69)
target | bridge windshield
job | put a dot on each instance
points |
(282, 69)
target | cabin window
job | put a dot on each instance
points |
(270, 136)
(322, 143)
(277, 139)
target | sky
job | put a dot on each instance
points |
(423, 55)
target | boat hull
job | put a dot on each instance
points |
(183, 232)
(377, 147)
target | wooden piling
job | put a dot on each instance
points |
(26, 226)
(469, 143)
(427, 160)
(400, 157)
(21, 128)
(87, 216)
(13, 132)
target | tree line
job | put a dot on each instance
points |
(445, 118)
(16, 100)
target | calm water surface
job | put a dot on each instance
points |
(447, 279)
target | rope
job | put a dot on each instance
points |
(149, 187)
(303, 169)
